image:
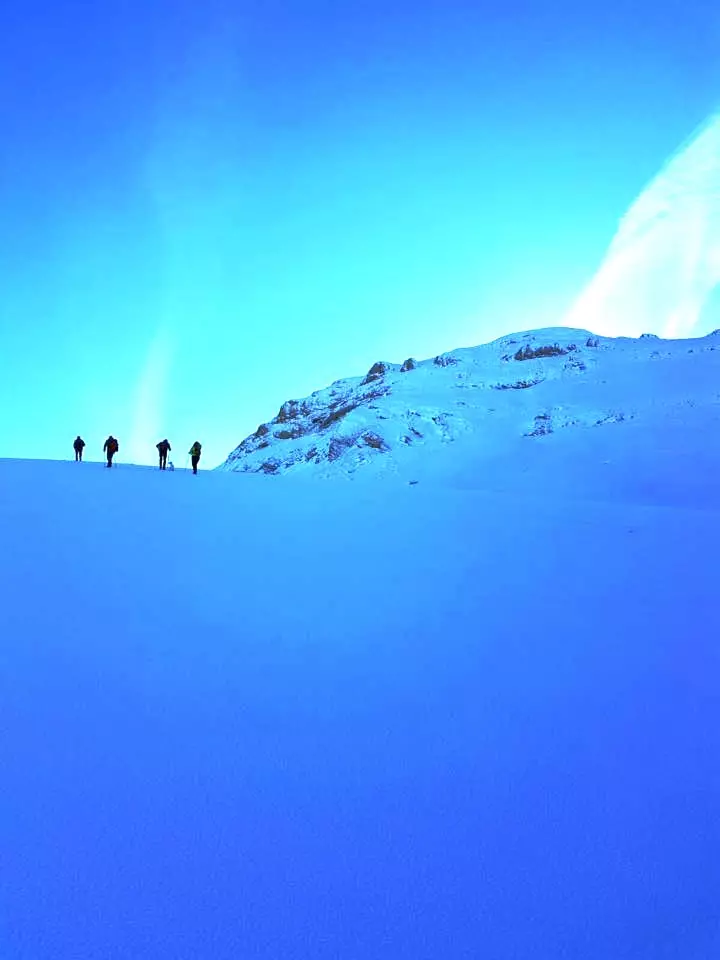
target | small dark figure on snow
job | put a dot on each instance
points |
(110, 447)
(78, 446)
(195, 451)
(163, 449)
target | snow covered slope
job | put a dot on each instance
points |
(496, 411)
(244, 717)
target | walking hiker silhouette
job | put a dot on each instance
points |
(78, 446)
(194, 453)
(163, 448)
(110, 447)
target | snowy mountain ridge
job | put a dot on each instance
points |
(403, 419)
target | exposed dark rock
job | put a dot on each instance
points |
(262, 430)
(614, 417)
(288, 411)
(574, 363)
(270, 466)
(445, 360)
(375, 393)
(375, 441)
(530, 353)
(592, 342)
(543, 426)
(376, 371)
(312, 452)
(292, 434)
(408, 365)
(338, 445)
(335, 415)
(518, 384)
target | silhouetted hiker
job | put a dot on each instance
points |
(78, 445)
(195, 451)
(111, 447)
(163, 448)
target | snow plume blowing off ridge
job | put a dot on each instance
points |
(663, 264)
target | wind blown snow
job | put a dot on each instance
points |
(662, 270)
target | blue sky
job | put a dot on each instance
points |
(207, 209)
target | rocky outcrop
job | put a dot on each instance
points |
(375, 441)
(519, 384)
(376, 371)
(290, 410)
(292, 434)
(549, 350)
(317, 429)
(338, 446)
(527, 386)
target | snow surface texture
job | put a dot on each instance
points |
(662, 270)
(537, 408)
(476, 717)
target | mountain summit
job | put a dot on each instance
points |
(479, 411)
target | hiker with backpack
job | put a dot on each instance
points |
(110, 448)
(194, 454)
(78, 447)
(163, 449)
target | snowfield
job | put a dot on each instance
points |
(475, 716)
